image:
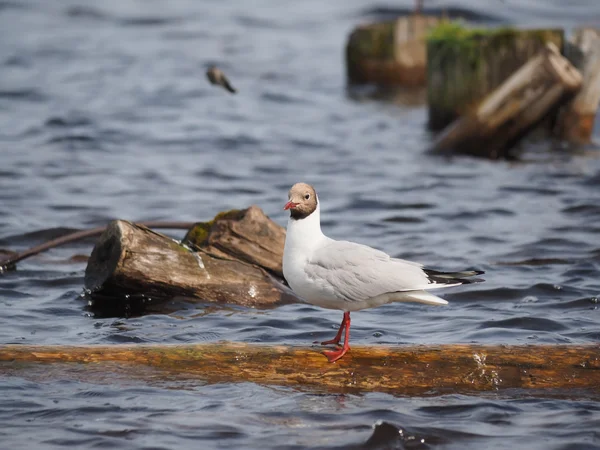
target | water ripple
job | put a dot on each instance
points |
(106, 113)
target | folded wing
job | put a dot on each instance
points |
(357, 272)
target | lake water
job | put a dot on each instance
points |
(105, 113)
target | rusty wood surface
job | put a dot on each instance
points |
(406, 370)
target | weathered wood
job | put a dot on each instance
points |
(398, 370)
(389, 53)
(135, 263)
(6, 260)
(246, 235)
(9, 259)
(517, 106)
(576, 119)
(465, 65)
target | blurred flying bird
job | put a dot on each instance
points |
(216, 76)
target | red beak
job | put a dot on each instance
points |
(290, 205)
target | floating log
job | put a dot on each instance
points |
(409, 370)
(517, 106)
(576, 119)
(465, 65)
(390, 53)
(133, 263)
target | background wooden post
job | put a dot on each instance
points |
(390, 53)
(576, 119)
(465, 65)
(515, 107)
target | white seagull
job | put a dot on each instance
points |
(348, 276)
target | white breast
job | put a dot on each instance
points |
(302, 238)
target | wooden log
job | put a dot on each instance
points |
(465, 65)
(405, 370)
(576, 119)
(247, 235)
(9, 259)
(517, 106)
(134, 265)
(389, 53)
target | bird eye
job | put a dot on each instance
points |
(307, 196)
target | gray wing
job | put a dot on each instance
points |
(356, 272)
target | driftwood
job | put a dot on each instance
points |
(464, 65)
(576, 119)
(389, 53)
(514, 108)
(135, 263)
(406, 370)
(247, 235)
(9, 259)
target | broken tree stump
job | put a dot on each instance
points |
(247, 235)
(390, 53)
(517, 106)
(465, 65)
(135, 264)
(576, 119)
(407, 370)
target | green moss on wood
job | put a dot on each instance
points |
(198, 234)
(465, 64)
(474, 44)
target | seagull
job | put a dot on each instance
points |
(216, 76)
(348, 276)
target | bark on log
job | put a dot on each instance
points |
(390, 53)
(9, 259)
(464, 66)
(517, 106)
(134, 265)
(576, 119)
(247, 235)
(410, 370)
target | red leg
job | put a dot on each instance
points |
(338, 336)
(337, 354)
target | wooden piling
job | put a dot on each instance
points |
(408, 370)
(576, 119)
(465, 65)
(532, 93)
(390, 53)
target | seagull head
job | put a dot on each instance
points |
(302, 200)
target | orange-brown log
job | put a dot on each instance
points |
(514, 108)
(576, 119)
(399, 370)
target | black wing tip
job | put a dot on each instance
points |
(462, 277)
(470, 281)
